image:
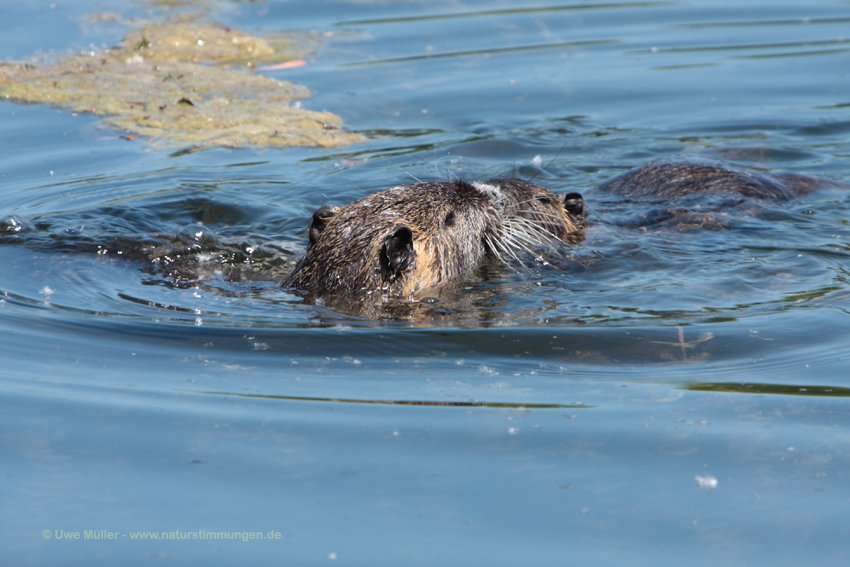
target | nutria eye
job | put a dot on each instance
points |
(544, 200)
(450, 219)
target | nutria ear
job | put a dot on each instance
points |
(574, 204)
(319, 220)
(397, 253)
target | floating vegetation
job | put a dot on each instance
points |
(208, 43)
(177, 84)
(781, 389)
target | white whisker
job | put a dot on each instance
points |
(527, 230)
(508, 246)
(540, 213)
(522, 238)
(539, 230)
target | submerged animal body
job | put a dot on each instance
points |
(669, 179)
(416, 240)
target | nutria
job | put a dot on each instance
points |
(416, 240)
(667, 179)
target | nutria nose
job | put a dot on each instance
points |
(574, 204)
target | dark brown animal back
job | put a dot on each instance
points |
(679, 179)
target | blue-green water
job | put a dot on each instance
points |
(559, 415)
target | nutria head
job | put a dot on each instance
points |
(416, 240)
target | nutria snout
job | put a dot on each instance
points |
(416, 240)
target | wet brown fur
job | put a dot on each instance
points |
(416, 240)
(671, 179)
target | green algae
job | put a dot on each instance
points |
(209, 43)
(181, 83)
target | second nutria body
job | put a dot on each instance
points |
(416, 240)
(668, 179)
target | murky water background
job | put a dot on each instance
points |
(557, 414)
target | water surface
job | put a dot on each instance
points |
(556, 413)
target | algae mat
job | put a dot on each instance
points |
(177, 84)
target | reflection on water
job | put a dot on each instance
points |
(530, 406)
